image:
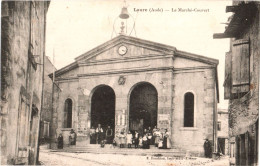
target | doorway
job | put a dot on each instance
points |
(143, 107)
(103, 110)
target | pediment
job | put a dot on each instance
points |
(134, 48)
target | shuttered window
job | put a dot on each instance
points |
(227, 82)
(240, 66)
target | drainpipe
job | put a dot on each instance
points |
(43, 67)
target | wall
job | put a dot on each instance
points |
(21, 84)
(223, 118)
(202, 84)
(171, 75)
(47, 97)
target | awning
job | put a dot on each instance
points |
(242, 18)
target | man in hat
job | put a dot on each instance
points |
(207, 149)
(99, 134)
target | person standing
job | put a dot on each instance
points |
(60, 141)
(140, 141)
(109, 135)
(166, 140)
(207, 149)
(157, 136)
(122, 139)
(149, 136)
(136, 138)
(153, 134)
(129, 137)
(72, 137)
(99, 134)
(92, 135)
(145, 142)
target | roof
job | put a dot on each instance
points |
(167, 49)
(242, 18)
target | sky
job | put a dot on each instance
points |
(75, 27)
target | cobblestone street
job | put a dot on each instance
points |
(63, 158)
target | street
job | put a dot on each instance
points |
(48, 157)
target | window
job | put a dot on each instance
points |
(68, 114)
(237, 69)
(188, 110)
(219, 126)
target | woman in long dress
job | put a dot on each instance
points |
(60, 142)
(157, 135)
(166, 140)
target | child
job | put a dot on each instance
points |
(122, 139)
(114, 143)
(129, 139)
(160, 144)
(145, 143)
(140, 141)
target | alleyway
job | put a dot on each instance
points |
(64, 158)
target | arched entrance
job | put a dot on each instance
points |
(103, 109)
(143, 107)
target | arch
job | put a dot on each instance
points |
(143, 106)
(189, 104)
(102, 109)
(67, 121)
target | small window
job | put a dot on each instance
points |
(219, 126)
(188, 110)
(68, 114)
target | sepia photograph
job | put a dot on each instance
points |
(130, 82)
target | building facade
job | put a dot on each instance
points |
(242, 79)
(22, 52)
(132, 84)
(222, 127)
(47, 101)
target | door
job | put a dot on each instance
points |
(137, 125)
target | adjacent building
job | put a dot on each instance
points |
(22, 59)
(47, 101)
(132, 84)
(222, 127)
(242, 79)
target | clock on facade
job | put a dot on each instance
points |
(122, 50)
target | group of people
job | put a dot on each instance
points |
(99, 136)
(157, 137)
(72, 139)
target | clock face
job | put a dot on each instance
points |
(122, 50)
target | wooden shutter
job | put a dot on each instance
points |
(240, 66)
(227, 82)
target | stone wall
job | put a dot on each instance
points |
(202, 84)
(23, 24)
(47, 97)
(171, 74)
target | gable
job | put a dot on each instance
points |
(135, 48)
(132, 51)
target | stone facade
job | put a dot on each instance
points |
(171, 72)
(222, 127)
(242, 79)
(47, 99)
(22, 52)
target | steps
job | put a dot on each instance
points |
(108, 149)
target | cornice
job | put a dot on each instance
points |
(126, 71)
(126, 59)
